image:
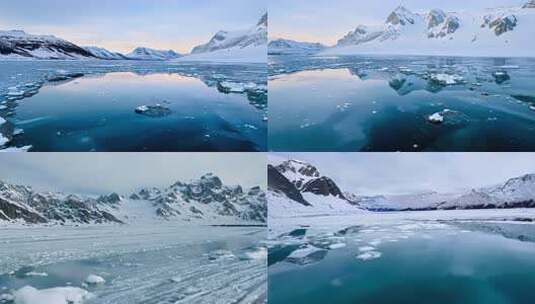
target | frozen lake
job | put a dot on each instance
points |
(359, 103)
(91, 106)
(158, 263)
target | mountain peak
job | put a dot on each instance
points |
(402, 16)
(529, 4)
(263, 20)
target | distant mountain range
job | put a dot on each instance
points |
(205, 200)
(500, 31)
(296, 187)
(240, 45)
(285, 46)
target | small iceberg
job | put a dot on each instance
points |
(447, 79)
(369, 255)
(57, 295)
(436, 118)
(94, 279)
(307, 255)
(153, 110)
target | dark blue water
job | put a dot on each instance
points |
(96, 112)
(383, 104)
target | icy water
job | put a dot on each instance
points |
(166, 264)
(408, 263)
(351, 103)
(96, 112)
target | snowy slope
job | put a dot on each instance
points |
(143, 53)
(494, 32)
(285, 46)
(297, 188)
(102, 53)
(234, 46)
(202, 200)
(20, 45)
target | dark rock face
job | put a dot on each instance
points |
(400, 16)
(501, 25)
(435, 18)
(279, 183)
(323, 186)
(20, 43)
(22, 203)
(529, 4)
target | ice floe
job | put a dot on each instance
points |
(57, 295)
(94, 279)
(307, 255)
(156, 110)
(447, 79)
(369, 255)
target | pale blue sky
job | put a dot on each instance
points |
(402, 173)
(123, 25)
(327, 21)
(97, 173)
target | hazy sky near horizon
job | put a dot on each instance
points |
(404, 173)
(98, 173)
(123, 25)
(326, 21)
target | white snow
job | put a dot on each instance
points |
(36, 274)
(473, 37)
(436, 118)
(94, 279)
(58, 295)
(369, 255)
(253, 54)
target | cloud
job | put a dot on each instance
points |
(401, 173)
(97, 173)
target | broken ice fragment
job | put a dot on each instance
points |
(369, 255)
(436, 118)
(307, 255)
(93, 279)
(153, 110)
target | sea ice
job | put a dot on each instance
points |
(58, 295)
(93, 279)
(447, 79)
(307, 255)
(153, 111)
(369, 255)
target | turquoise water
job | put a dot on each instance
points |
(383, 104)
(440, 265)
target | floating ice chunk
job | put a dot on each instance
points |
(307, 255)
(18, 131)
(532, 108)
(437, 118)
(6, 297)
(3, 140)
(344, 106)
(366, 248)
(58, 295)
(231, 87)
(2, 121)
(337, 245)
(376, 242)
(93, 279)
(2, 107)
(16, 149)
(176, 279)
(153, 110)
(369, 255)
(447, 79)
(259, 254)
(36, 274)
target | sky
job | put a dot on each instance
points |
(102, 173)
(406, 173)
(326, 21)
(124, 25)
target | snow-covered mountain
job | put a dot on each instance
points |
(500, 31)
(143, 53)
(20, 45)
(202, 200)
(248, 45)
(296, 187)
(285, 46)
(515, 193)
(102, 53)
